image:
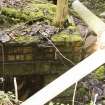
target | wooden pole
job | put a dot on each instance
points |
(62, 11)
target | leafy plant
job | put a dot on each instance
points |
(7, 98)
(100, 73)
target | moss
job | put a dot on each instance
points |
(62, 37)
(68, 92)
(30, 12)
(44, 10)
(26, 39)
(6, 20)
(99, 73)
(9, 11)
(72, 27)
(82, 91)
(27, 15)
(48, 6)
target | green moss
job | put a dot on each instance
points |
(27, 15)
(44, 10)
(26, 39)
(49, 7)
(72, 27)
(9, 11)
(4, 20)
(82, 91)
(62, 37)
(30, 12)
(100, 73)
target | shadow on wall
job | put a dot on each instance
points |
(53, 1)
(27, 85)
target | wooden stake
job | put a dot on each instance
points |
(62, 11)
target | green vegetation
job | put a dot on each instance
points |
(7, 98)
(62, 37)
(30, 12)
(100, 73)
(82, 91)
(26, 39)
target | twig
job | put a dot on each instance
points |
(3, 61)
(78, 102)
(10, 102)
(16, 90)
(95, 99)
(74, 94)
(57, 50)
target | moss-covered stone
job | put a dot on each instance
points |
(99, 73)
(11, 12)
(62, 37)
(26, 39)
(40, 10)
(30, 12)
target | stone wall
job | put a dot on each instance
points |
(38, 59)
